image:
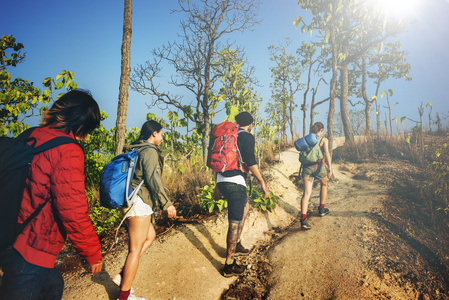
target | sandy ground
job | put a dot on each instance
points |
(326, 262)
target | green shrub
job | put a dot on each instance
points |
(103, 219)
(207, 200)
(262, 204)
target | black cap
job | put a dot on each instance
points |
(244, 118)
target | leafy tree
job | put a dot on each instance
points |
(20, 100)
(286, 74)
(391, 63)
(276, 117)
(207, 24)
(350, 28)
(324, 19)
(124, 78)
(314, 104)
(308, 59)
(237, 83)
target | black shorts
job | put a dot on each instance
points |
(236, 196)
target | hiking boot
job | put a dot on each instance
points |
(241, 251)
(323, 211)
(233, 270)
(305, 225)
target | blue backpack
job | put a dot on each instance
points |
(115, 181)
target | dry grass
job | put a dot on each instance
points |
(183, 179)
(392, 146)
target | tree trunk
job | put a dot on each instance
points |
(344, 108)
(333, 84)
(377, 109)
(305, 99)
(439, 126)
(368, 102)
(391, 123)
(205, 138)
(292, 130)
(122, 108)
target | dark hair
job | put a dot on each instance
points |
(148, 128)
(76, 112)
(316, 127)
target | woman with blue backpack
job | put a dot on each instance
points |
(314, 165)
(141, 231)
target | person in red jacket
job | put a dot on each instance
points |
(29, 265)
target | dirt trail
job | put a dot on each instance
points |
(324, 262)
(329, 261)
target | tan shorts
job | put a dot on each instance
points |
(318, 172)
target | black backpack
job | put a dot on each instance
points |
(16, 155)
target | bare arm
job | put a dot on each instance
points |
(256, 171)
(328, 157)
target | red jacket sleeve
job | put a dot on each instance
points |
(70, 202)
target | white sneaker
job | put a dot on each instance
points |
(133, 297)
(118, 281)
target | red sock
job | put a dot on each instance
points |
(303, 217)
(124, 295)
(321, 206)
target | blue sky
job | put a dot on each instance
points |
(85, 37)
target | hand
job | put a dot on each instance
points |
(97, 267)
(216, 194)
(329, 175)
(171, 211)
(265, 191)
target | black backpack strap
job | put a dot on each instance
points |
(54, 143)
(21, 226)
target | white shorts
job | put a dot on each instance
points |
(139, 209)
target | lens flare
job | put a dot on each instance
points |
(397, 8)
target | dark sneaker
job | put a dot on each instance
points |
(241, 251)
(323, 211)
(305, 225)
(233, 270)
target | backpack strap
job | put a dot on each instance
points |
(54, 143)
(241, 163)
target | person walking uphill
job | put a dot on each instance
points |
(141, 231)
(232, 184)
(56, 175)
(318, 170)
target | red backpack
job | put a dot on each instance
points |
(224, 154)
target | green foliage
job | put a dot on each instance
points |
(207, 200)
(436, 185)
(103, 219)
(19, 99)
(262, 204)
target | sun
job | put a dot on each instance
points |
(397, 8)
